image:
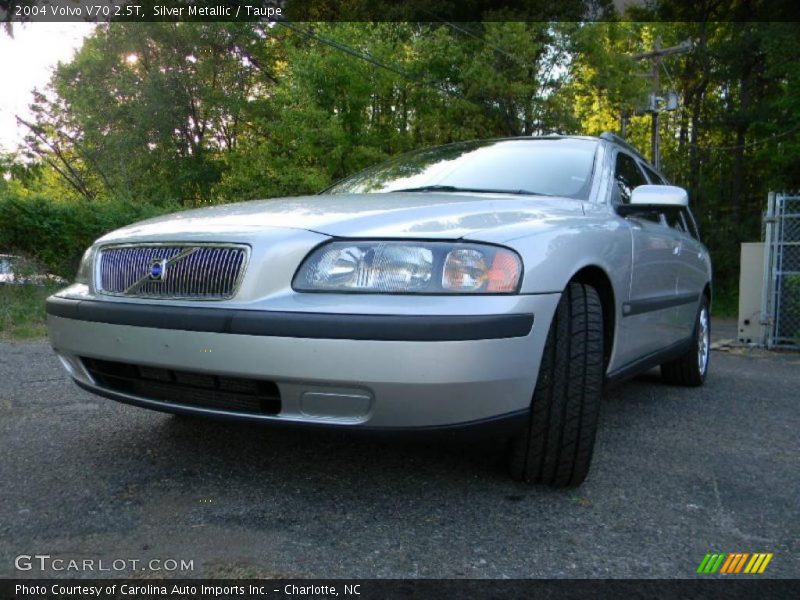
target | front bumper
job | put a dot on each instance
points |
(360, 371)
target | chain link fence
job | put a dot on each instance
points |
(781, 290)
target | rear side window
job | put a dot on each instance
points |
(627, 175)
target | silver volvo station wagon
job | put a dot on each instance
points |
(496, 284)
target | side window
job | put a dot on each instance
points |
(674, 218)
(691, 225)
(654, 177)
(627, 176)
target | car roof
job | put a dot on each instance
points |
(615, 139)
(606, 136)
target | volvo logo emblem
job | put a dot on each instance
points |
(158, 269)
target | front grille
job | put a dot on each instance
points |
(233, 394)
(187, 271)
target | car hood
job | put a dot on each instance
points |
(428, 215)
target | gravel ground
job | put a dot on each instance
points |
(677, 473)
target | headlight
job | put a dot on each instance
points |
(379, 267)
(84, 274)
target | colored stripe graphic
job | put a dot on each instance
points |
(703, 563)
(758, 563)
(740, 564)
(731, 560)
(710, 563)
(734, 563)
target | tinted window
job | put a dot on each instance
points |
(675, 220)
(691, 225)
(627, 176)
(560, 167)
(654, 177)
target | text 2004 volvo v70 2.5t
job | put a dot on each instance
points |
(491, 283)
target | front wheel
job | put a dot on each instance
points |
(556, 447)
(691, 368)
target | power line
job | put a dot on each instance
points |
(669, 75)
(439, 86)
(497, 49)
(749, 144)
(351, 51)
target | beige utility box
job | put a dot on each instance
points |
(751, 281)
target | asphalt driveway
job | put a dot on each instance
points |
(677, 473)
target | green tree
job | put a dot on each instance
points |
(146, 111)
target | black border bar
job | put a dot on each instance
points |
(707, 588)
(397, 328)
(420, 11)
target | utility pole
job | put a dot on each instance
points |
(655, 56)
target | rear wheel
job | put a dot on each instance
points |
(556, 447)
(691, 368)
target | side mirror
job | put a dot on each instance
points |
(654, 197)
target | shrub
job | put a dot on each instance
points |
(55, 233)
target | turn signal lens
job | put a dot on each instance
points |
(489, 270)
(505, 272)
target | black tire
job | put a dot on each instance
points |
(688, 369)
(556, 448)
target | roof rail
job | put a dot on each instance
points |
(615, 139)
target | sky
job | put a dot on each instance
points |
(28, 60)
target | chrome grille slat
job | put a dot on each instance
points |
(223, 272)
(200, 271)
(181, 279)
(203, 269)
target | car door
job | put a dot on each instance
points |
(692, 268)
(692, 261)
(649, 316)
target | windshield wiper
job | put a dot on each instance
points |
(453, 188)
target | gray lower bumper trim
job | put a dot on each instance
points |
(422, 328)
(500, 425)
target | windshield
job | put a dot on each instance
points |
(549, 167)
